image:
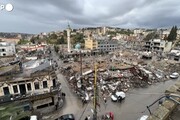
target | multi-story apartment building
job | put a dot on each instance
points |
(107, 45)
(7, 49)
(138, 31)
(91, 43)
(165, 33)
(100, 43)
(158, 45)
(178, 35)
(11, 40)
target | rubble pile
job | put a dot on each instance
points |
(166, 67)
(108, 80)
(174, 67)
(119, 71)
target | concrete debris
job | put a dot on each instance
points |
(116, 72)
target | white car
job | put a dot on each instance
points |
(144, 117)
(33, 117)
(118, 96)
(174, 75)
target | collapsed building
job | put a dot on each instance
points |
(117, 71)
(117, 77)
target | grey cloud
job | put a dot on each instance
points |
(48, 15)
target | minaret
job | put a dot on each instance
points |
(68, 38)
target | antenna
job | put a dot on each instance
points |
(69, 26)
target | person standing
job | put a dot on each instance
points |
(86, 118)
(89, 117)
(105, 102)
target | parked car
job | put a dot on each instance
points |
(144, 117)
(66, 117)
(118, 96)
(33, 117)
(174, 75)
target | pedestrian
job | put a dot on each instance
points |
(86, 118)
(111, 115)
(56, 106)
(105, 102)
(83, 101)
(89, 117)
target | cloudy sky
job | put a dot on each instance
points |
(35, 16)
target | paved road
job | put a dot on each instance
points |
(131, 108)
(72, 103)
(135, 103)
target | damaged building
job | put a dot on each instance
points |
(36, 88)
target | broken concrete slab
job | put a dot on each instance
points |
(178, 84)
(152, 117)
(162, 113)
(171, 89)
(169, 104)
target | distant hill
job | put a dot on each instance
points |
(14, 35)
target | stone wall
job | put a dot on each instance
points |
(164, 110)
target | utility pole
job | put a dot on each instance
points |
(81, 78)
(81, 61)
(95, 93)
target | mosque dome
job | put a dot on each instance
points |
(78, 46)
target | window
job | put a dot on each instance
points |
(45, 84)
(29, 86)
(15, 89)
(36, 85)
(6, 90)
(42, 106)
(3, 50)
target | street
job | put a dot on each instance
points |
(131, 108)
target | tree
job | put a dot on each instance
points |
(53, 36)
(56, 48)
(151, 35)
(173, 34)
(22, 41)
(61, 40)
(78, 38)
(33, 39)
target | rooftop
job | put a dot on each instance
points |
(13, 72)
